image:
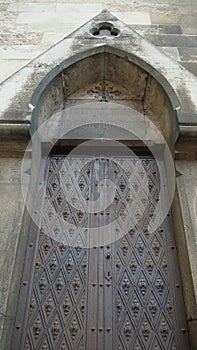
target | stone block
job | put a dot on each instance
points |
(135, 17)
(32, 7)
(35, 18)
(64, 14)
(188, 53)
(10, 189)
(193, 334)
(3, 7)
(131, 77)
(187, 187)
(84, 72)
(20, 38)
(52, 98)
(189, 28)
(14, 86)
(7, 20)
(188, 119)
(191, 66)
(49, 39)
(158, 108)
(79, 9)
(157, 29)
(173, 40)
(19, 52)
(184, 15)
(172, 52)
(9, 67)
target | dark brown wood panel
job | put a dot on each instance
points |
(123, 295)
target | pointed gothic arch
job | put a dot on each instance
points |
(52, 90)
(109, 63)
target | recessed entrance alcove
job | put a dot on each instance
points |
(108, 77)
(119, 294)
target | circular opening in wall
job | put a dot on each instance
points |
(105, 29)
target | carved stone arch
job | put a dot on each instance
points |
(144, 84)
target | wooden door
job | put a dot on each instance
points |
(122, 295)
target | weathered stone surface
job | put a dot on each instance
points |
(9, 67)
(188, 119)
(83, 74)
(157, 29)
(135, 17)
(41, 20)
(17, 52)
(131, 77)
(171, 52)
(188, 54)
(49, 39)
(20, 38)
(189, 29)
(187, 191)
(3, 7)
(180, 210)
(193, 337)
(158, 108)
(31, 7)
(54, 57)
(26, 24)
(181, 14)
(10, 189)
(7, 20)
(173, 40)
(191, 66)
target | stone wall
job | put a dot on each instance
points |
(27, 29)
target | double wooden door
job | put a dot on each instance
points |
(124, 294)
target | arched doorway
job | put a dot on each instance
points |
(121, 295)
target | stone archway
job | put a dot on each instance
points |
(139, 90)
(43, 78)
(152, 96)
